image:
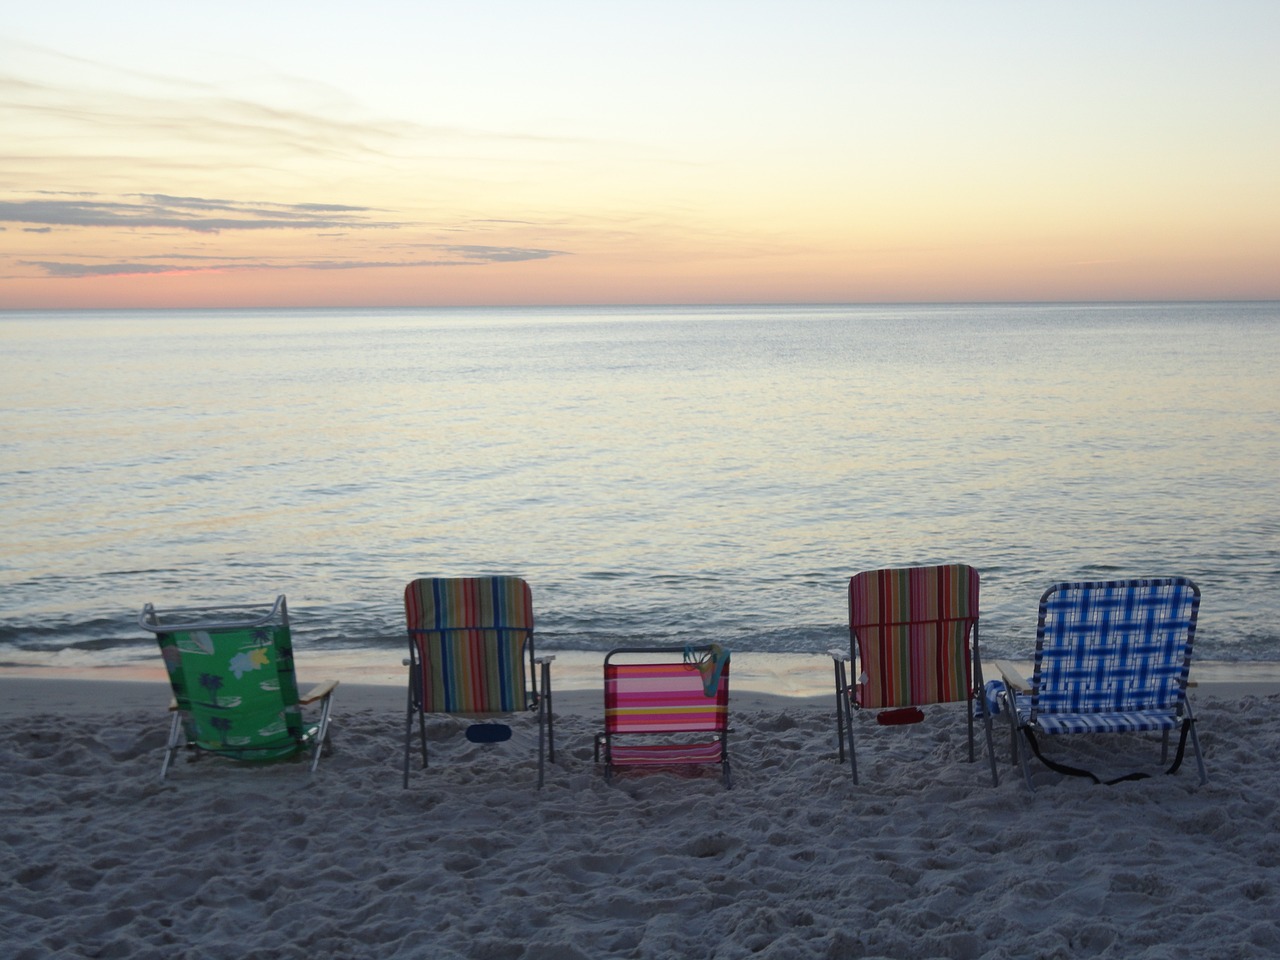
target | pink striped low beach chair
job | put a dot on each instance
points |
(666, 706)
(913, 636)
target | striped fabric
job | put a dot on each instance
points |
(469, 636)
(1112, 656)
(666, 754)
(910, 629)
(666, 701)
(1108, 722)
(662, 698)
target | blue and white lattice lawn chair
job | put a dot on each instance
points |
(1111, 657)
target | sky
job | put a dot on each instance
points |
(284, 153)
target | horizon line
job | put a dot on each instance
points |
(646, 305)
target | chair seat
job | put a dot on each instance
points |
(664, 754)
(1120, 722)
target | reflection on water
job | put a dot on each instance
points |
(654, 473)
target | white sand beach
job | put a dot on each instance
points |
(923, 859)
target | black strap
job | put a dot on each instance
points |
(1077, 772)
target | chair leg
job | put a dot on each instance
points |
(844, 717)
(1195, 745)
(853, 760)
(422, 736)
(551, 731)
(171, 748)
(1024, 753)
(972, 756)
(322, 731)
(542, 737)
(408, 736)
(408, 732)
(840, 688)
(853, 756)
(991, 745)
(1011, 708)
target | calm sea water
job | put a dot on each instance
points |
(656, 474)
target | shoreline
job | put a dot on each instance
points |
(759, 681)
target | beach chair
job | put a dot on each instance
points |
(665, 706)
(1111, 657)
(234, 690)
(913, 634)
(470, 639)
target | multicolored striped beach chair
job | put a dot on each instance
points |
(234, 690)
(468, 642)
(913, 633)
(1111, 657)
(665, 706)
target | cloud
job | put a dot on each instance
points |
(54, 269)
(50, 99)
(195, 214)
(502, 254)
(468, 255)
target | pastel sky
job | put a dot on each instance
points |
(589, 151)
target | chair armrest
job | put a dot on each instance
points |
(544, 658)
(839, 654)
(320, 692)
(1016, 681)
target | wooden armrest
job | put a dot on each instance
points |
(839, 654)
(320, 692)
(1016, 681)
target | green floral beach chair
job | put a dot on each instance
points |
(234, 690)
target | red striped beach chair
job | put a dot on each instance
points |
(665, 706)
(1111, 657)
(913, 634)
(471, 654)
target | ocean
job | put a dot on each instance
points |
(657, 474)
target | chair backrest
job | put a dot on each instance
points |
(662, 697)
(233, 679)
(467, 639)
(911, 629)
(1114, 646)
